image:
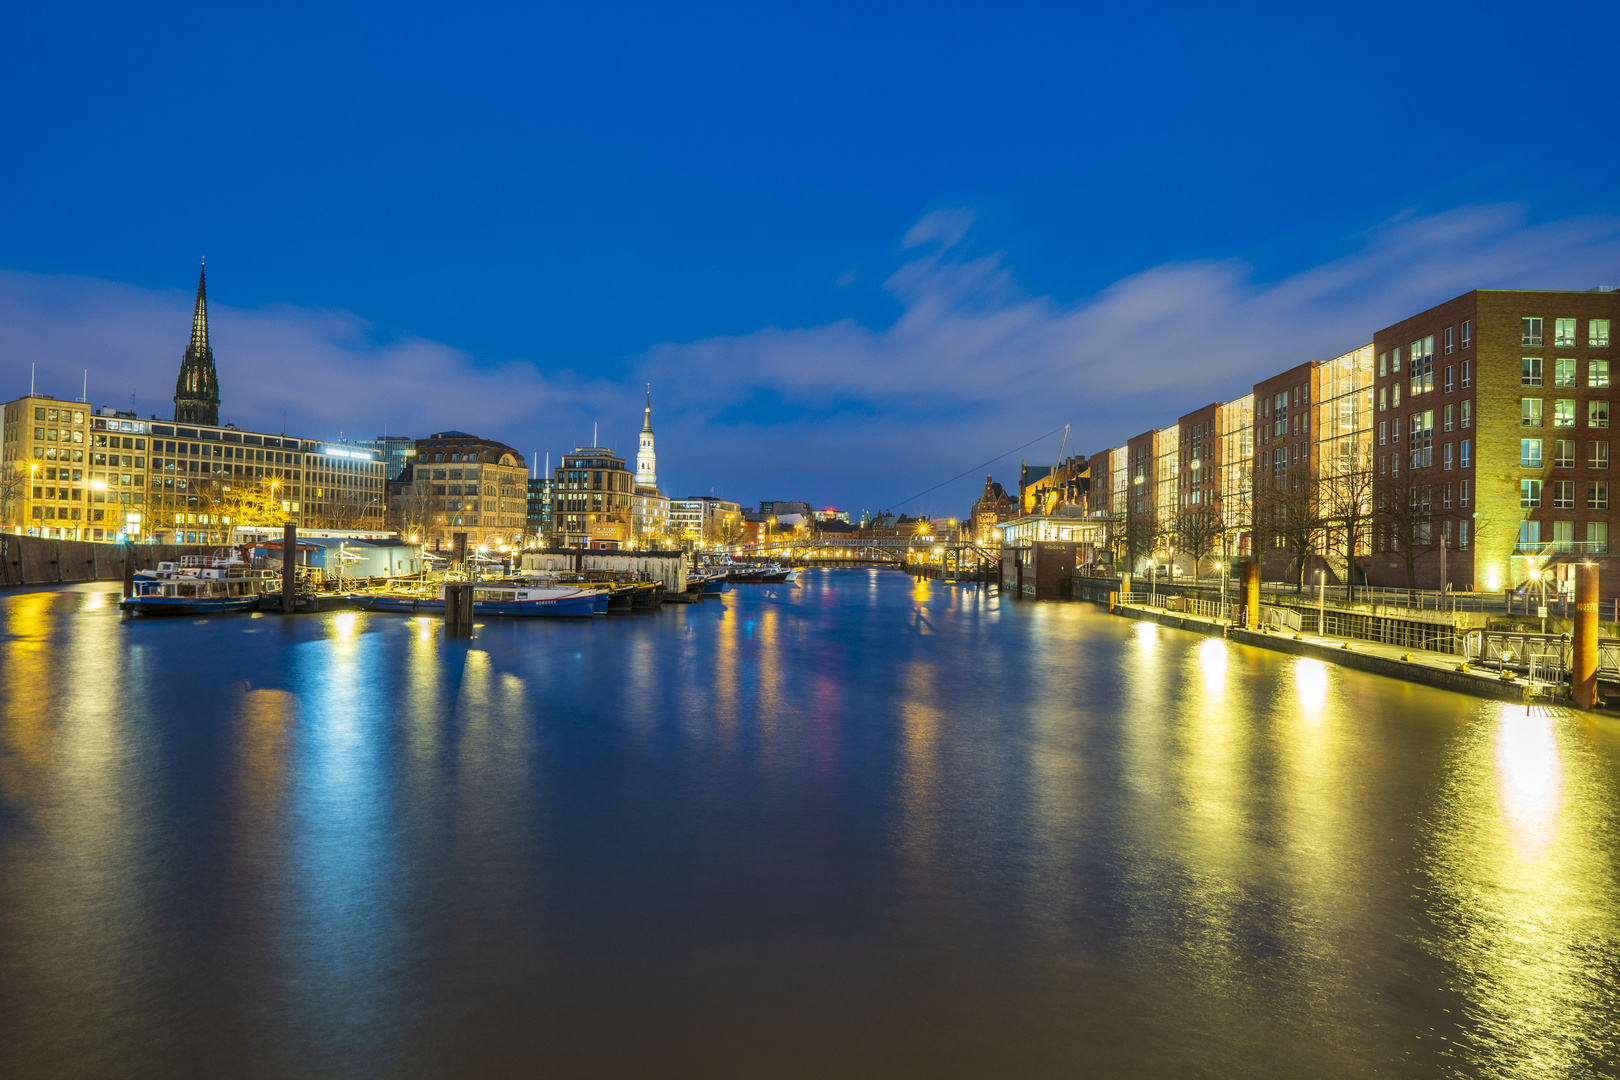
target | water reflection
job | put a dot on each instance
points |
(897, 826)
(1524, 871)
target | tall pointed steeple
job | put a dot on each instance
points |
(196, 392)
(646, 460)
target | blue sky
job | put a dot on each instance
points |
(855, 249)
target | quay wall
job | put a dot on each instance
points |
(1478, 683)
(34, 560)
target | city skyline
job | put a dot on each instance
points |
(978, 285)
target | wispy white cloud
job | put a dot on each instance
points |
(838, 413)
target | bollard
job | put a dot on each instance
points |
(1584, 647)
(129, 571)
(289, 567)
(458, 610)
(1249, 583)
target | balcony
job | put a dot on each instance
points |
(1561, 547)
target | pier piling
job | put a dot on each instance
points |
(1584, 646)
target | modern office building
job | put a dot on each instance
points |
(396, 452)
(592, 499)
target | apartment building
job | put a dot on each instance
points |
(1494, 413)
(476, 485)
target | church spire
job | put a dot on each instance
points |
(646, 458)
(196, 392)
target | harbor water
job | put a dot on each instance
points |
(859, 825)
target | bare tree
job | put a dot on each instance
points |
(1197, 531)
(412, 509)
(13, 483)
(1348, 505)
(1288, 514)
(1404, 513)
(1140, 536)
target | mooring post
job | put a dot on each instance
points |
(1251, 595)
(1584, 647)
(129, 570)
(289, 567)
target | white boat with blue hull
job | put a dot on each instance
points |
(493, 598)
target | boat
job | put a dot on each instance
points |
(715, 584)
(199, 586)
(512, 598)
(767, 574)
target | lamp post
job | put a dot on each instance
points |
(1153, 582)
(1223, 590)
(1321, 602)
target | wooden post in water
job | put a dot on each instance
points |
(1584, 646)
(458, 609)
(129, 570)
(1251, 594)
(289, 567)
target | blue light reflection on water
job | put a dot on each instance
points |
(863, 826)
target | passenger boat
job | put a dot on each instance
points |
(490, 598)
(198, 586)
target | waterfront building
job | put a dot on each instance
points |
(1493, 419)
(706, 521)
(196, 391)
(1343, 453)
(780, 507)
(991, 509)
(345, 486)
(649, 517)
(592, 499)
(1237, 474)
(471, 485)
(55, 480)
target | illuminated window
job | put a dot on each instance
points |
(1597, 333)
(1597, 536)
(1467, 413)
(1529, 495)
(1597, 373)
(1564, 371)
(1462, 453)
(1564, 412)
(1529, 412)
(1564, 333)
(1529, 453)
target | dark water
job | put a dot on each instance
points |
(853, 828)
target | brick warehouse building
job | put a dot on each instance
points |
(1495, 409)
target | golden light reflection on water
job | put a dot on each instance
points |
(1523, 863)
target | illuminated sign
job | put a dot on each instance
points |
(363, 455)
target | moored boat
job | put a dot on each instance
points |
(490, 598)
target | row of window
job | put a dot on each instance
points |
(1389, 431)
(1563, 494)
(1421, 456)
(1565, 332)
(1530, 455)
(1531, 369)
(1564, 411)
(1423, 381)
